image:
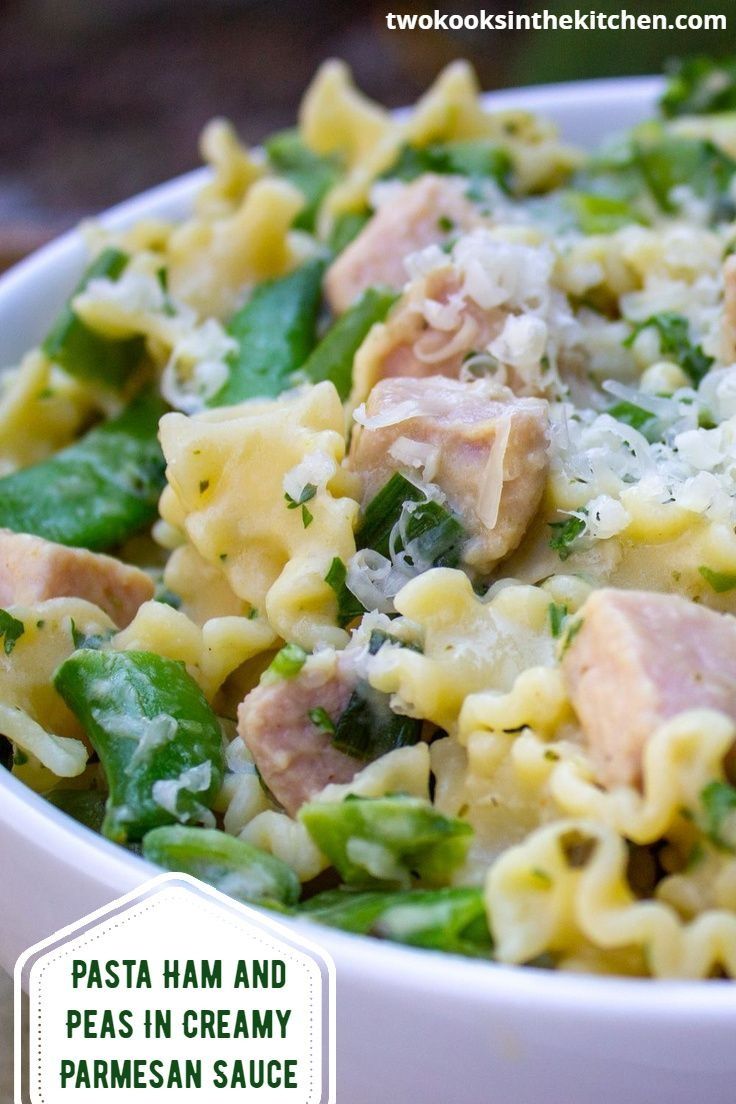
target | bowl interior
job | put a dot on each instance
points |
(30, 294)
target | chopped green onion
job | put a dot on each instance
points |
(557, 618)
(437, 532)
(368, 728)
(348, 606)
(11, 629)
(288, 662)
(321, 718)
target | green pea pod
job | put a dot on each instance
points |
(451, 920)
(81, 351)
(333, 357)
(95, 493)
(386, 840)
(346, 229)
(275, 331)
(311, 174)
(231, 865)
(159, 742)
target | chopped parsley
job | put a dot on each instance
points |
(564, 534)
(674, 341)
(288, 662)
(11, 629)
(719, 802)
(321, 718)
(631, 414)
(557, 618)
(720, 581)
(378, 638)
(573, 627)
(309, 490)
(93, 640)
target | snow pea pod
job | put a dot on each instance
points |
(159, 742)
(275, 332)
(333, 357)
(450, 919)
(81, 351)
(233, 866)
(312, 174)
(97, 492)
(386, 840)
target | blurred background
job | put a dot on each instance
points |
(103, 98)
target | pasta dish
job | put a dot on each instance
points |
(368, 536)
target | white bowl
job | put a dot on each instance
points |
(413, 1026)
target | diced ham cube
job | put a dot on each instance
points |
(422, 213)
(638, 660)
(485, 448)
(294, 755)
(33, 569)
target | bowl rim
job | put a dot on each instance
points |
(473, 981)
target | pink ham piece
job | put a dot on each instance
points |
(422, 213)
(638, 660)
(485, 448)
(33, 569)
(294, 756)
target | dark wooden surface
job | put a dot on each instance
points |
(100, 99)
